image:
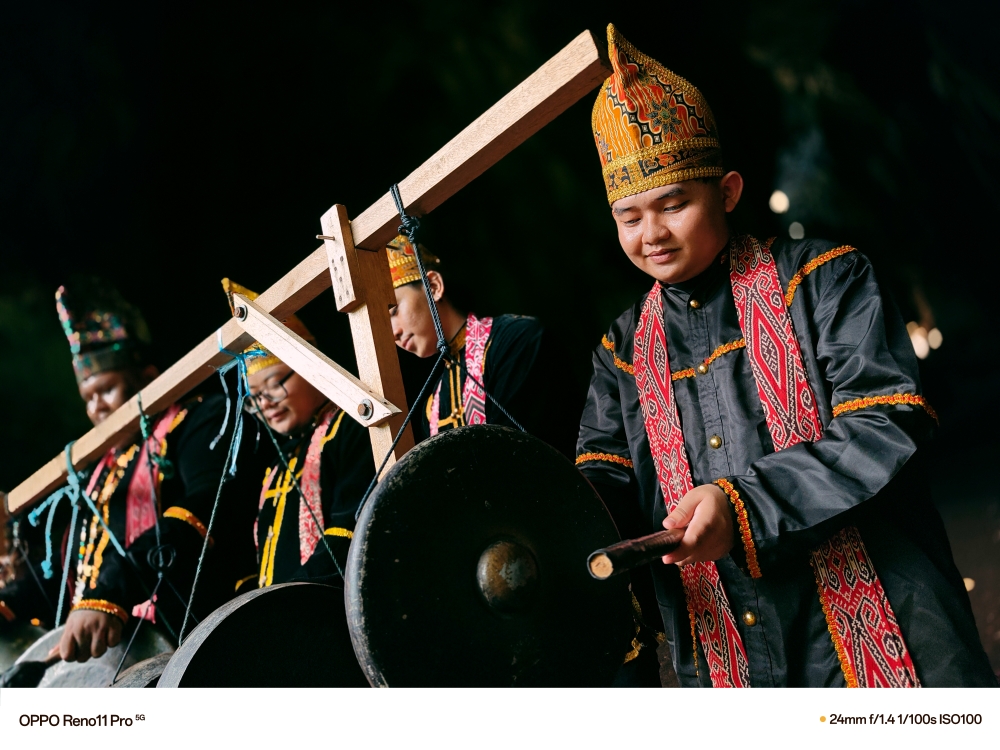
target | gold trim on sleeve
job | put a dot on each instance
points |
(610, 458)
(896, 399)
(744, 521)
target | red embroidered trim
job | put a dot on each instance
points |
(310, 496)
(774, 353)
(831, 625)
(706, 599)
(867, 402)
(584, 457)
(744, 521)
(619, 363)
(862, 624)
(811, 266)
(140, 512)
(477, 334)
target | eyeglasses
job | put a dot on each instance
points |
(269, 394)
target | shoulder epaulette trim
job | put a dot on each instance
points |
(183, 514)
(619, 363)
(811, 266)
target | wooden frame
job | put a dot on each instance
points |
(546, 93)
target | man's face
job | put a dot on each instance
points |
(292, 403)
(412, 324)
(105, 392)
(674, 232)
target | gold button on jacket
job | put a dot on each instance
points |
(695, 304)
(749, 618)
(715, 441)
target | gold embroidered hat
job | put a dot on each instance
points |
(257, 355)
(652, 127)
(403, 261)
(104, 331)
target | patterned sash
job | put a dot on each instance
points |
(864, 630)
(477, 335)
(140, 511)
(310, 497)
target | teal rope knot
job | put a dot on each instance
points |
(72, 491)
(163, 464)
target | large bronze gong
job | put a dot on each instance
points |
(288, 635)
(467, 569)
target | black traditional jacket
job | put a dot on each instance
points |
(518, 355)
(100, 578)
(342, 466)
(864, 471)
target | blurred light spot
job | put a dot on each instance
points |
(912, 326)
(779, 202)
(796, 231)
(969, 584)
(35, 621)
(934, 338)
(918, 337)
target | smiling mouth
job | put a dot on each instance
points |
(662, 256)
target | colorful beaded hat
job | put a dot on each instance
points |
(403, 261)
(257, 356)
(104, 331)
(652, 127)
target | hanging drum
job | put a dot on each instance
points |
(466, 569)
(288, 635)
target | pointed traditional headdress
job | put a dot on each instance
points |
(257, 355)
(403, 261)
(104, 331)
(652, 127)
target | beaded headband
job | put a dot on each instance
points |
(403, 261)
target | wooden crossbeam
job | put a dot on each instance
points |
(359, 402)
(546, 93)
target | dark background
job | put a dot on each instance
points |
(165, 147)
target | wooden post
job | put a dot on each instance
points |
(539, 99)
(363, 288)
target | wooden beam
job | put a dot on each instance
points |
(546, 93)
(364, 406)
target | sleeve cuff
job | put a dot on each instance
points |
(102, 605)
(743, 523)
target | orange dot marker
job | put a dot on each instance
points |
(822, 718)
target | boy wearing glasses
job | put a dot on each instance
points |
(324, 469)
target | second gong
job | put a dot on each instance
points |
(467, 569)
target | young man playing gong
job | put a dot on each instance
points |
(506, 354)
(764, 397)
